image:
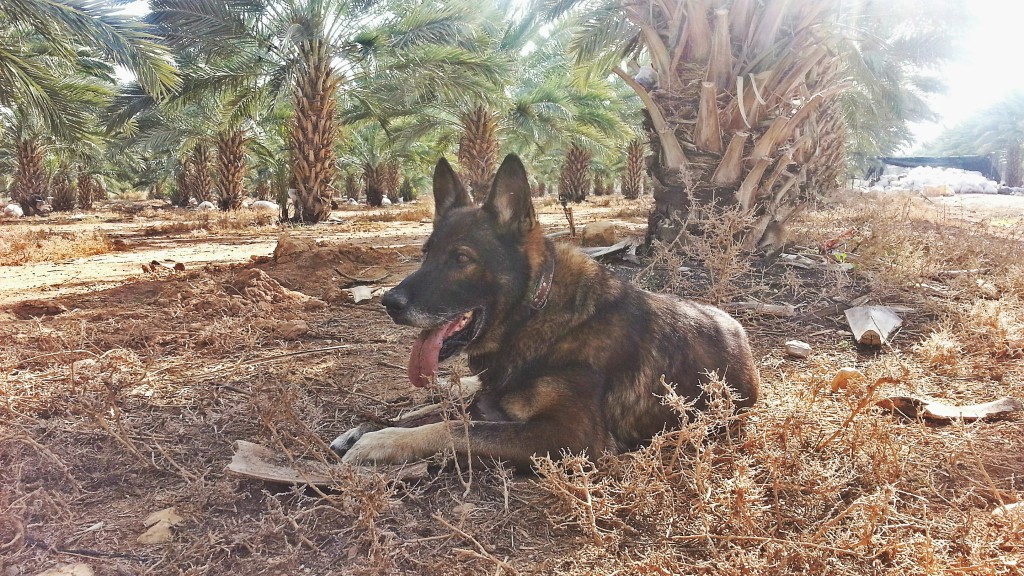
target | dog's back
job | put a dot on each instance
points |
(609, 343)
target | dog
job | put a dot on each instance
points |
(568, 356)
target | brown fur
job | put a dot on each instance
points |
(581, 373)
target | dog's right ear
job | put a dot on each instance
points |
(449, 193)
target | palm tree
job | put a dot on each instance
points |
(636, 169)
(231, 167)
(889, 52)
(998, 130)
(574, 180)
(743, 101)
(478, 149)
(85, 88)
(41, 39)
(309, 55)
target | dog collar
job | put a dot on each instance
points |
(543, 289)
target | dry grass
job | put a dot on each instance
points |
(423, 209)
(25, 245)
(129, 403)
(203, 223)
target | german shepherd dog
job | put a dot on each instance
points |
(569, 357)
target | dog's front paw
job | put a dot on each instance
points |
(344, 443)
(395, 445)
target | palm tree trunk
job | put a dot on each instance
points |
(30, 178)
(633, 178)
(478, 150)
(392, 179)
(574, 181)
(373, 181)
(182, 186)
(351, 186)
(231, 168)
(86, 195)
(313, 132)
(1013, 166)
(749, 94)
(200, 182)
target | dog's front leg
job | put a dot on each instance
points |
(465, 388)
(397, 445)
(513, 442)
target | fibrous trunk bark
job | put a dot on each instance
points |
(392, 179)
(86, 190)
(351, 186)
(478, 150)
(574, 180)
(30, 177)
(230, 168)
(373, 181)
(633, 177)
(313, 132)
(182, 187)
(198, 173)
(749, 92)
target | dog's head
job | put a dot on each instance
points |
(478, 265)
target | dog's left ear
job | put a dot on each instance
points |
(509, 198)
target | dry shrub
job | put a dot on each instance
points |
(705, 263)
(818, 485)
(22, 245)
(997, 327)
(940, 348)
(900, 241)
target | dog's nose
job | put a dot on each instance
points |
(395, 301)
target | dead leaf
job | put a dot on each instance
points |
(930, 409)
(78, 569)
(159, 533)
(159, 525)
(842, 378)
(168, 515)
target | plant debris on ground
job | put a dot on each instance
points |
(123, 403)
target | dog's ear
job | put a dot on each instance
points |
(509, 199)
(449, 193)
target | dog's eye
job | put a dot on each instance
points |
(462, 258)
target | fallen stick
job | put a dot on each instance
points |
(954, 273)
(780, 310)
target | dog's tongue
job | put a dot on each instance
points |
(425, 352)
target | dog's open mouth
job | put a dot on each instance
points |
(436, 344)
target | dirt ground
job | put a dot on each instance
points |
(123, 389)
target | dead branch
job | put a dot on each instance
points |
(778, 310)
(481, 552)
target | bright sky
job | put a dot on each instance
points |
(988, 68)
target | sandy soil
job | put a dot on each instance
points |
(999, 210)
(78, 275)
